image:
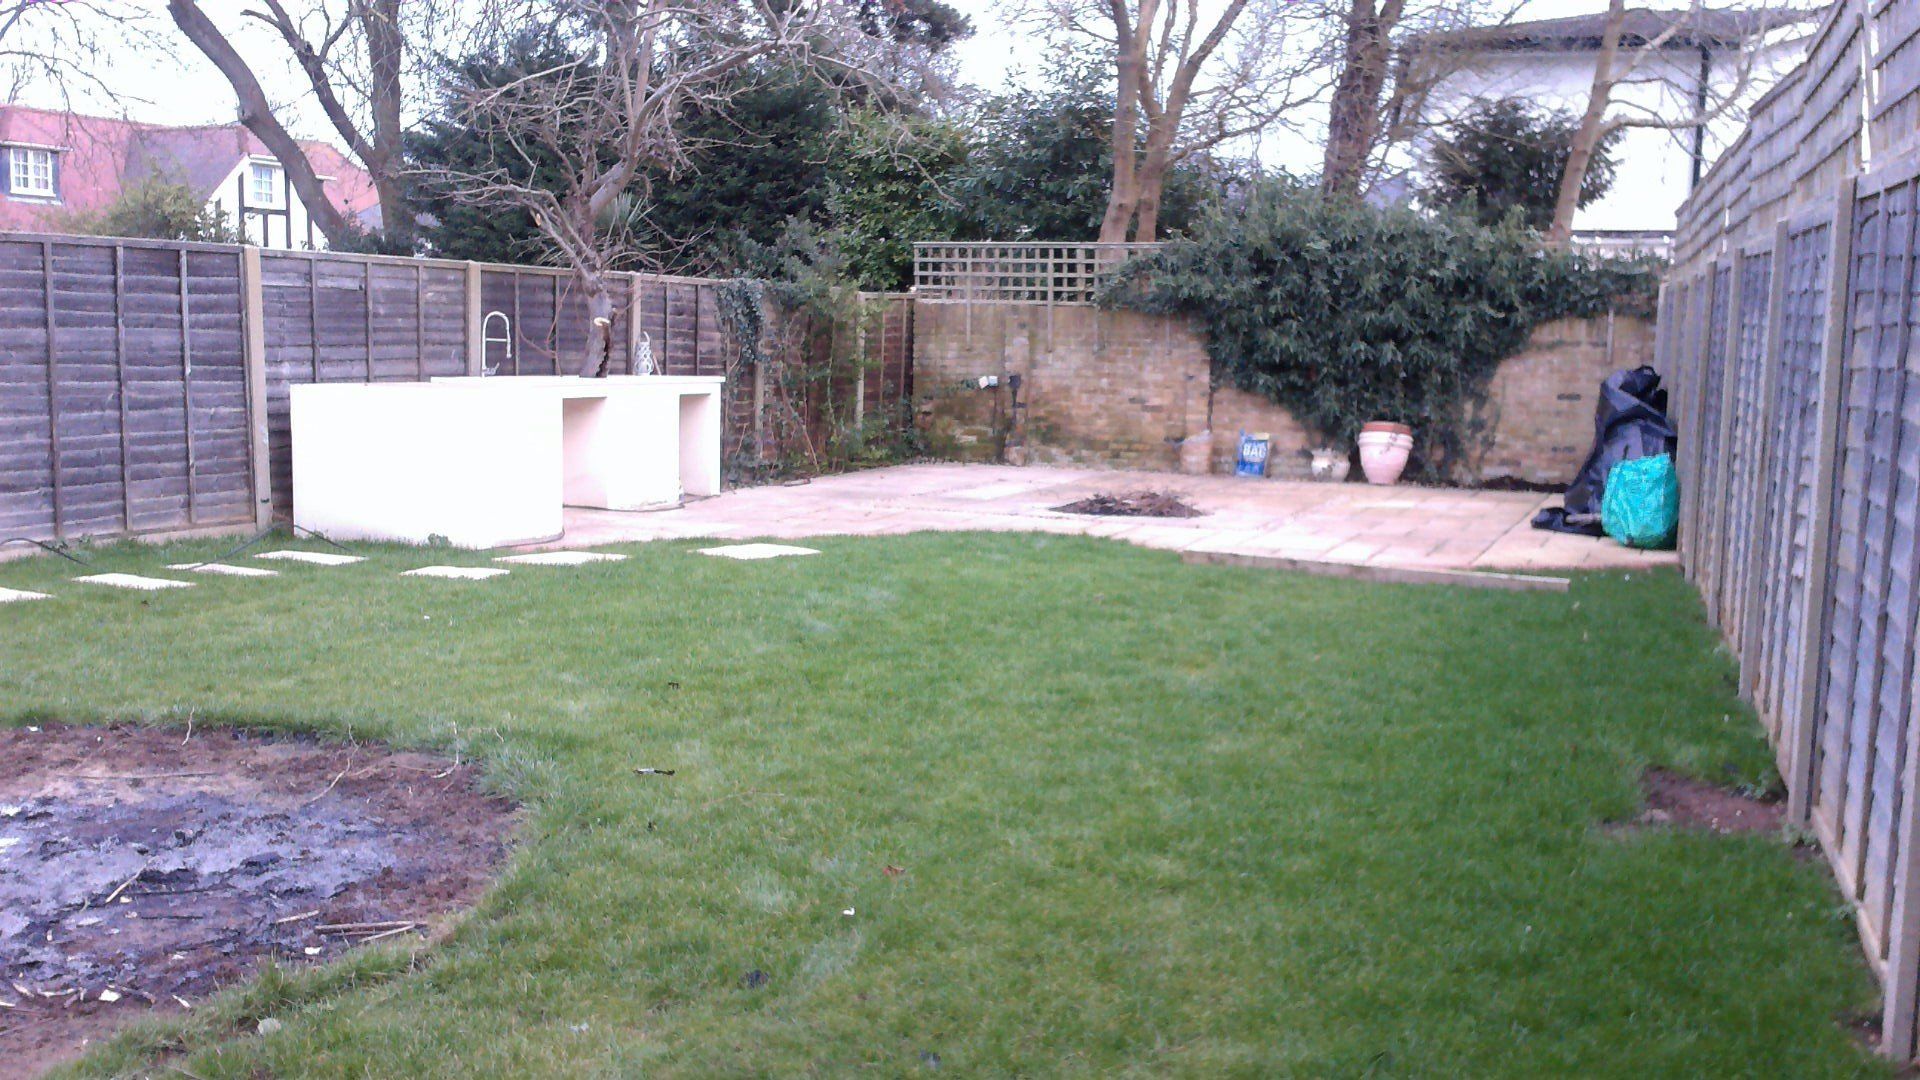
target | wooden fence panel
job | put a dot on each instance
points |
(144, 385)
(1790, 506)
(1754, 280)
(1829, 534)
(123, 403)
(1712, 408)
(334, 318)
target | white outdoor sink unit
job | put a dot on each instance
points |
(488, 462)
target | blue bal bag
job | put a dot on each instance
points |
(1640, 506)
(1253, 454)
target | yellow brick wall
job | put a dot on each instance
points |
(1120, 389)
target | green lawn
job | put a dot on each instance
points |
(1156, 819)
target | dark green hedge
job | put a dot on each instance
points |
(1345, 313)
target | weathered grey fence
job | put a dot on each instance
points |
(1787, 325)
(143, 384)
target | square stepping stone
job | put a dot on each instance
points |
(223, 568)
(317, 558)
(8, 596)
(134, 581)
(560, 558)
(756, 551)
(460, 573)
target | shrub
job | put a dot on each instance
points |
(156, 210)
(1507, 154)
(1345, 313)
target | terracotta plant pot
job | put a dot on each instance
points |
(1330, 465)
(1384, 447)
(1387, 426)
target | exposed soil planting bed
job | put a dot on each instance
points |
(1132, 504)
(142, 869)
(1673, 799)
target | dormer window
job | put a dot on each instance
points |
(31, 172)
(263, 184)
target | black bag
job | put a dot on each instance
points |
(1630, 421)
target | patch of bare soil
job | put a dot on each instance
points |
(140, 870)
(1673, 799)
(1132, 504)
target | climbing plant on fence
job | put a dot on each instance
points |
(813, 338)
(1345, 313)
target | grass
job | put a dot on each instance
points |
(1155, 818)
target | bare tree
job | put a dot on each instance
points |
(60, 51)
(1354, 113)
(1605, 114)
(372, 33)
(1185, 82)
(1386, 57)
(257, 114)
(355, 59)
(609, 113)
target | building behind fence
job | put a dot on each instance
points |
(1787, 321)
(144, 384)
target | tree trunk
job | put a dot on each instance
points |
(1353, 121)
(1152, 183)
(258, 118)
(386, 56)
(599, 357)
(1123, 198)
(1586, 137)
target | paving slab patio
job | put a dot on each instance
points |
(1342, 524)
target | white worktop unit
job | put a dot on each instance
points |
(488, 462)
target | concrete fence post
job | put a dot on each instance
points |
(633, 321)
(476, 326)
(254, 358)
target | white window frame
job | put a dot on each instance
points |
(26, 165)
(274, 200)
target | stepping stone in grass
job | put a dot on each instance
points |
(561, 558)
(135, 581)
(462, 573)
(317, 558)
(223, 568)
(8, 596)
(756, 551)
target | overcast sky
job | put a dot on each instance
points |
(185, 89)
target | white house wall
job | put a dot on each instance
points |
(269, 230)
(1653, 167)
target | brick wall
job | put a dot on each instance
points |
(1125, 390)
(1539, 409)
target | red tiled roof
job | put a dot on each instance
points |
(101, 155)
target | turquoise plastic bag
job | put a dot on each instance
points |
(1641, 505)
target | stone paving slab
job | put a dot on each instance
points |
(749, 552)
(1341, 524)
(457, 573)
(315, 558)
(560, 558)
(224, 569)
(134, 581)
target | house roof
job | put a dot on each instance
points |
(103, 155)
(1708, 28)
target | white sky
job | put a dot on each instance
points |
(183, 88)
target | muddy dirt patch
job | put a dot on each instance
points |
(1673, 799)
(141, 869)
(1132, 504)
